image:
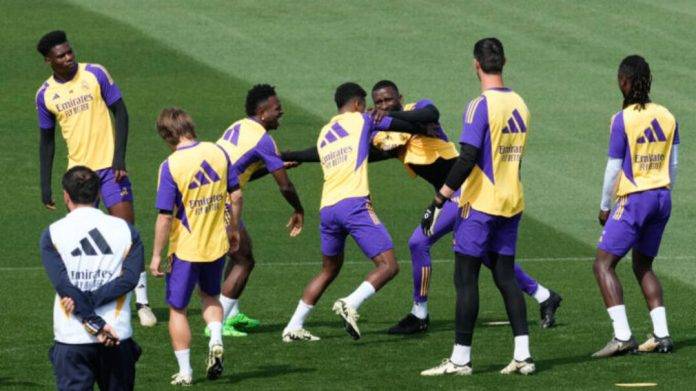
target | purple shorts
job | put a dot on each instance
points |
(637, 222)
(113, 192)
(477, 233)
(354, 217)
(184, 276)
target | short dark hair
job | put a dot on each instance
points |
(489, 53)
(49, 40)
(347, 92)
(81, 184)
(385, 84)
(173, 123)
(637, 71)
(257, 95)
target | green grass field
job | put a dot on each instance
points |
(203, 56)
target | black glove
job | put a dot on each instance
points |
(431, 215)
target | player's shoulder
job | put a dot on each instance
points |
(99, 71)
(661, 110)
(39, 96)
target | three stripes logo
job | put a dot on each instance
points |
(87, 248)
(333, 134)
(232, 135)
(515, 124)
(652, 134)
(205, 175)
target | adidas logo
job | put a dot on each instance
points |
(515, 124)
(232, 135)
(55, 96)
(86, 247)
(333, 134)
(652, 134)
(205, 175)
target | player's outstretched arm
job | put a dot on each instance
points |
(287, 189)
(120, 113)
(47, 150)
(58, 275)
(132, 266)
(309, 155)
(427, 114)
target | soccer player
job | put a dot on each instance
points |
(79, 97)
(194, 182)
(492, 143)
(253, 153)
(346, 209)
(431, 158)
(642, 166)
(93, 262)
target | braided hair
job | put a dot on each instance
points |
(637, 71)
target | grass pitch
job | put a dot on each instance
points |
(562, 57)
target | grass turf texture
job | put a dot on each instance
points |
(204, 56)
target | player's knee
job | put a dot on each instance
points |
(601, 266)
(418, 243)
(390, 268)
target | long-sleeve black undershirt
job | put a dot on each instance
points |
(425, 115)
(120, 113)
(462, 166)
(47, 150)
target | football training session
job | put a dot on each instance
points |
(329, 195)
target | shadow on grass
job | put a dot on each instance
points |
(268, 371)
(9, 382)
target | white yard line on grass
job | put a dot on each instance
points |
(318, 262)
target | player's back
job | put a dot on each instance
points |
(644, 137)
(199, 172)
(247, 143)
(92, 246)
(497, 120)
(343, 147)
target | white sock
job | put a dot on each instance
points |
(521, 352)
(362, 293)
(183, 358)
(230, 307)
(420, 310)
(298, 318)
(141, 289)
(541, 294)
(215, 333)
(461, 354)
(619, 320)
(659, 320)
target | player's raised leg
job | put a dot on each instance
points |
(295, 331)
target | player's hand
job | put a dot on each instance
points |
(108, 337)
(155, 266)
(289, 165)
(378, 115)
(430, 216)
(234, 240)
(430, 129)
(119, 174)
(68, 304)
(295, 223)
(50, 205)
(603, 217)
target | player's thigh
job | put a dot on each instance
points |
(369, 233)
(74, 366)
(180, 282)
(621, 230)
(118, 366)
(472, 232)
(210, 276)
(332, 234)
(504, 236)
(112, 192)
